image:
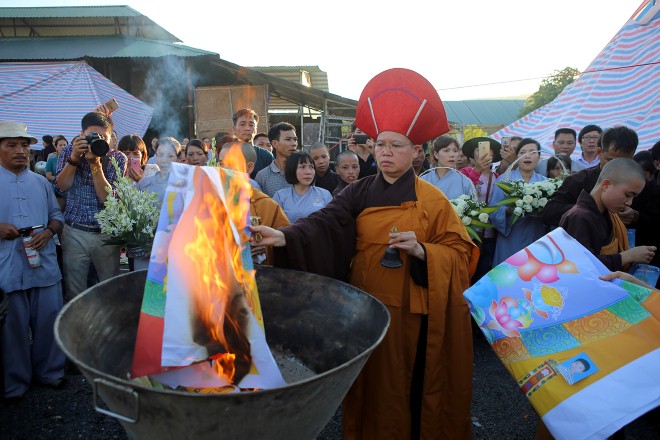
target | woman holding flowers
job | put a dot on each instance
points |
(517, 230)
(444, 175)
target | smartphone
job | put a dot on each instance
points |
(484, 148)
(135, 164)
(360, 139)
(112, 105)
(506, 142)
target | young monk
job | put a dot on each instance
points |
(594, 221)
(348, 170)
(418, 381)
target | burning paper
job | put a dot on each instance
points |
(201, 324)
(584, 351)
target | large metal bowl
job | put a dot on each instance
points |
(329, 326)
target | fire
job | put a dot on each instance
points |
(216, 273)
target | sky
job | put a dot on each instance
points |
(468, 49)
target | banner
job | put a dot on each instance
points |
(584, 351)
(200, 299)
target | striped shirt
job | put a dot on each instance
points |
(271, 179)
(81, 200)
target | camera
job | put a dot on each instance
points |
(360, 139)
(97, 144)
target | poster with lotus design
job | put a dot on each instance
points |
(584, 351)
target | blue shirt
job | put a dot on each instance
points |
(51, 165)
(297, 206)
(453, 184)
(27, 200)
(81, 200)
(156, 184)
(513, 238)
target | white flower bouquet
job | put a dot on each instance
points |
(473, 213)
(130, 216)
(528, 198)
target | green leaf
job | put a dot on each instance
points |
(507, 188)
(480, 224)
(473, 234)
(490, 209)
(509, 201)
(515, 219)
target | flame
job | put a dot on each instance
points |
(216, 273)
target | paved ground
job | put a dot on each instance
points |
(499, 411)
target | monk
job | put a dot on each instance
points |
(418, 381)
(262, 208)
(593, 220)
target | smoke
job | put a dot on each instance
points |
(166, 91)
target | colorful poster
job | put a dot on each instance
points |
(584, 351)
(200, 300)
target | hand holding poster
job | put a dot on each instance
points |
(584, 351)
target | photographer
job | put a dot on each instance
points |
(362, 145)
(84, 170)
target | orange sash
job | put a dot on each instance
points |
(619, 241)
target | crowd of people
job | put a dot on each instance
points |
(389, 189)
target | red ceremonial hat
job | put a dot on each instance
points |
(402, 101)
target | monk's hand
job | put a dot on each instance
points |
(8, 232)
(628, 216)
(40, 239)
(407, 241)
(638, 254)
(269, 236)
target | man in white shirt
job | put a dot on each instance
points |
(588, 139)
(564, 144)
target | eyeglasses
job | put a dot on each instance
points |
(591, 138)
(394, 146)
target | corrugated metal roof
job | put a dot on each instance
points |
(69, 11)
(74, 48)
(318, 77)
(484, 112)
(76, 21)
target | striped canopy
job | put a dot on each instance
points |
(620, 87)
(52, 97)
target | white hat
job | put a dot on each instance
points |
(10, 129)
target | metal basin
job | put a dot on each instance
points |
(329, 326)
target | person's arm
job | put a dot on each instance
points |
(68, 163)
(562, 200)
(625, 277)
(581, 227)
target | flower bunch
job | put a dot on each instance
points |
(473, 213)
(528, 198)
(130, 216)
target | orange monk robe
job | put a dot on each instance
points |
(378, 404)
(269, 213)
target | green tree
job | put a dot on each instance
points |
(472, 131)
(549, 89)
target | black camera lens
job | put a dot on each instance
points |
(97, 144)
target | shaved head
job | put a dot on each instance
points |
(246, 148)
(621, 170)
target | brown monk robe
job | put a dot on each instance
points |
(269, 213)
(354, 227)
(603, 234)
(418, 381)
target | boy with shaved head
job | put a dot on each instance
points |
(325, 177)
(594, 222)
